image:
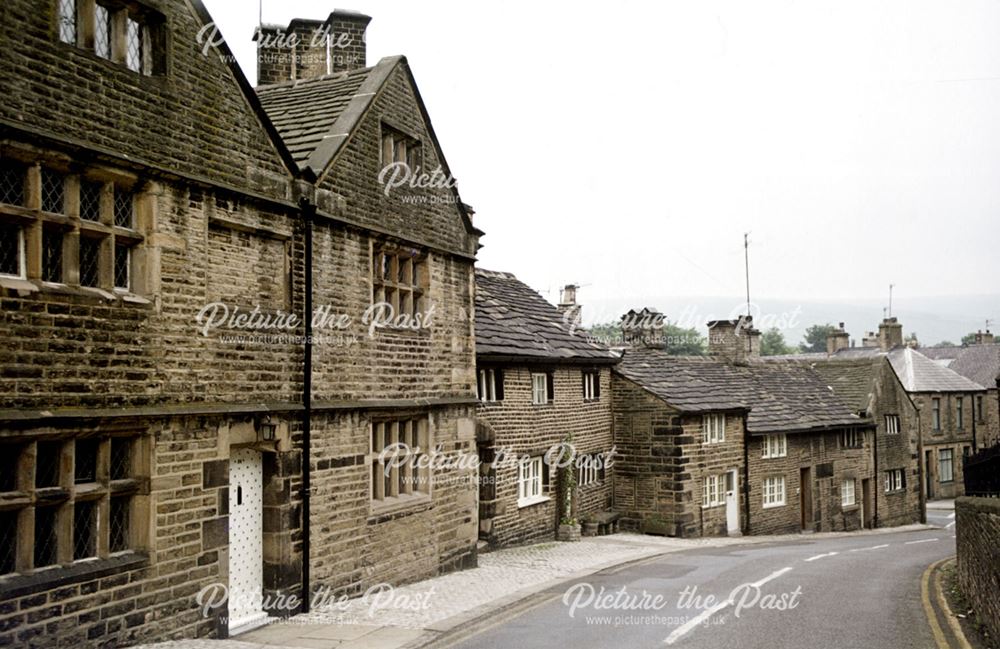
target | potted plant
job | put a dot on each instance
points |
(590, 526)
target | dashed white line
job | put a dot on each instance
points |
(875, 547)
(820, 556)
(949, 525)
(686, 628)
(951, 515)
(920, 541)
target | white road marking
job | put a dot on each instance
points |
(949, 525)
(686, 628)
(920, 541)
(876, 547)
(820, 556)
(951, 515)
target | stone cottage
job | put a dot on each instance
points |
(729, 444)
(166, 424)
(542, 386)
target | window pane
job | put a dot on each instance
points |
(48, 456)
(53, 191)
(9, 456)
(67, 21)
(46, 543)
(84, 530)
(119, 515)
(133, 46)
(89, 261)
(90, 200)
(52, 244)
(8, 542)
(121, 458)
(85, 461)
(102, 32)
(11, 248)
(124, 208)
(122, 266)
(12, 177)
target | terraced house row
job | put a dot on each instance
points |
(234, 357)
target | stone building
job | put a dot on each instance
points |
(980, 362)
(543, 386)
(870, 387)
(731, 444)
(954, 411)
(165, 425)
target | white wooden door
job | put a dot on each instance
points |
(246, 540)
(732, 504)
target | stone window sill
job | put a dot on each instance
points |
(531, 502)
(395, 504)
(849, 508)
(774, 505)
(18, 585)
(24, 287)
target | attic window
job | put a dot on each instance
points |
(397, 147)
(129, 35)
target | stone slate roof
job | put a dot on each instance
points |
(305, 112)
(918, 373)
(943, 355)
(782, 396)
(852, 380)
(514, 322)
(979, 363)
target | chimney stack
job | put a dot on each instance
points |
(735, 340)
(870, 339)
(890, 334)
(984, 337)
(571, 311)
(311, 48)
(836, 340)
(644, 328)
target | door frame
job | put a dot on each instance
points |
(733, 503)
(805, 498)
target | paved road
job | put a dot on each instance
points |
(854, 592)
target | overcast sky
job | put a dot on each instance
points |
(627, 146)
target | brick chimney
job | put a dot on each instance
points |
(984, 337)
(890, 334)
(571, 311)
(311, 48)
(837, 339)
(734, 340)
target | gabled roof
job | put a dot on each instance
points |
(317, 117)
(918, 373)
(514, 322)
(979, 363)
(781, 396)
(852, 380)
(306, 112)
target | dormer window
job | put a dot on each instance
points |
(127, 34)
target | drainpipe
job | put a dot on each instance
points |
(874, 486)
(921, 469)
(308, 214)
(746, 476)
(972, 398)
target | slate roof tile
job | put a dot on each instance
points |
(513, 320)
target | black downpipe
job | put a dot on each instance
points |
(308, 213)
(875, 485)
(973, 410)
(746, 477)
